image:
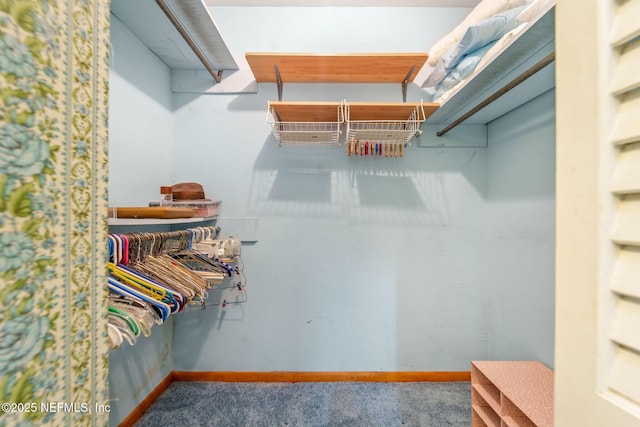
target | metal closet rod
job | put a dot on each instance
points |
(216, 74)
(214, 229)
(506, 88)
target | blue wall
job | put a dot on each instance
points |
(140, 121)
(520, 210)
(134, 371)
(361, 264)
(140, 143)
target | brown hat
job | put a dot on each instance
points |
(187, 191)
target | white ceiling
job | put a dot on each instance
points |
(378, 3)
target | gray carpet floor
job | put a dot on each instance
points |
(311, 404)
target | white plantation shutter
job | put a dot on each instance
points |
(626, 179)
(625, 26)
(623, 377)
(627, 126)
(597, 357)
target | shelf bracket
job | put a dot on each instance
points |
(278, 81)
(405, 83)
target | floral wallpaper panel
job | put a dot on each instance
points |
(53, 201)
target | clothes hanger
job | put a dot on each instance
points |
(142, 311)
(143, 318)
(115, 336)
(112, 247)
(122, 327)
(136, 281)
(155, 266)
(125, 248)
(173, 298)
(125, 290)
(145, 266)
(130, 321)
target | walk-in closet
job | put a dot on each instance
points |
(359, 262)
(346, 200)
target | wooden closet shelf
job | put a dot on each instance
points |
(319, 123)
(336, 68)
(306, 111)
(388, 110)
(327, 111)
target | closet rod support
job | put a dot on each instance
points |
(278, 81)
(506, 88)
(405, 83)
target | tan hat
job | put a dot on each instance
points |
(187, 191)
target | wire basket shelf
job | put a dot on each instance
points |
(385, 131)
(306, 134)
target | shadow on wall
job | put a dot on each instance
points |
(325, 182)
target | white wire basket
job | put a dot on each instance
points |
(385, 131)
(306, 133)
